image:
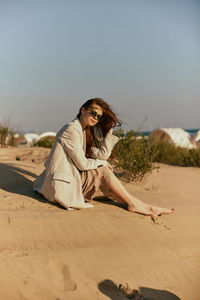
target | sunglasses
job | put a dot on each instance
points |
(94, 114)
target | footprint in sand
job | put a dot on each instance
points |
(61, 276)
(157, 222)
(13, 252)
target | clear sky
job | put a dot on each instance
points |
(142, 56)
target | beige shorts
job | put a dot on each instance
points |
(95, 183)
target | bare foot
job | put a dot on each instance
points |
(158, 211)
(148, 210)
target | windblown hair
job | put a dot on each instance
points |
(108, 120)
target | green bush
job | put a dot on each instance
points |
(170, 154)
(194, 156)
(134, 154)
(46, 142)
(137, 155)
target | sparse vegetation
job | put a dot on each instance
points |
(170, 154)
(11, 138)
(46, 142)
(32, 155)
(3, 135)
(133, 154)
(7, 134)
(137, 155)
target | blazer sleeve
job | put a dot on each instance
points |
(105, 150)
(71, 140)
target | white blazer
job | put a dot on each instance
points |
(61, 180)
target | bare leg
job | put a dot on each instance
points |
(134, 204)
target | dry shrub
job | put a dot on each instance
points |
(174, 155)
(7, 133)
(33, 155)
(134, 155)
(4, 131)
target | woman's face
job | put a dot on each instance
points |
(91, 116)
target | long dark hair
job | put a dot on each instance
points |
(108, 120)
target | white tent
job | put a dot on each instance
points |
(179, 137)
(197, 136)
(31, 137)
(46, 134)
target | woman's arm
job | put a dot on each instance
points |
(105, 150)
(71, 142)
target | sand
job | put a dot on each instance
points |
(105, 252)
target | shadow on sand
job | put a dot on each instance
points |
(13, 180)
(123, 292)
(108, 200)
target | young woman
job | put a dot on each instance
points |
(77, 166)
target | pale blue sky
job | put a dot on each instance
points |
(142, 56)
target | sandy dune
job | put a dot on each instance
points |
(105, 252)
